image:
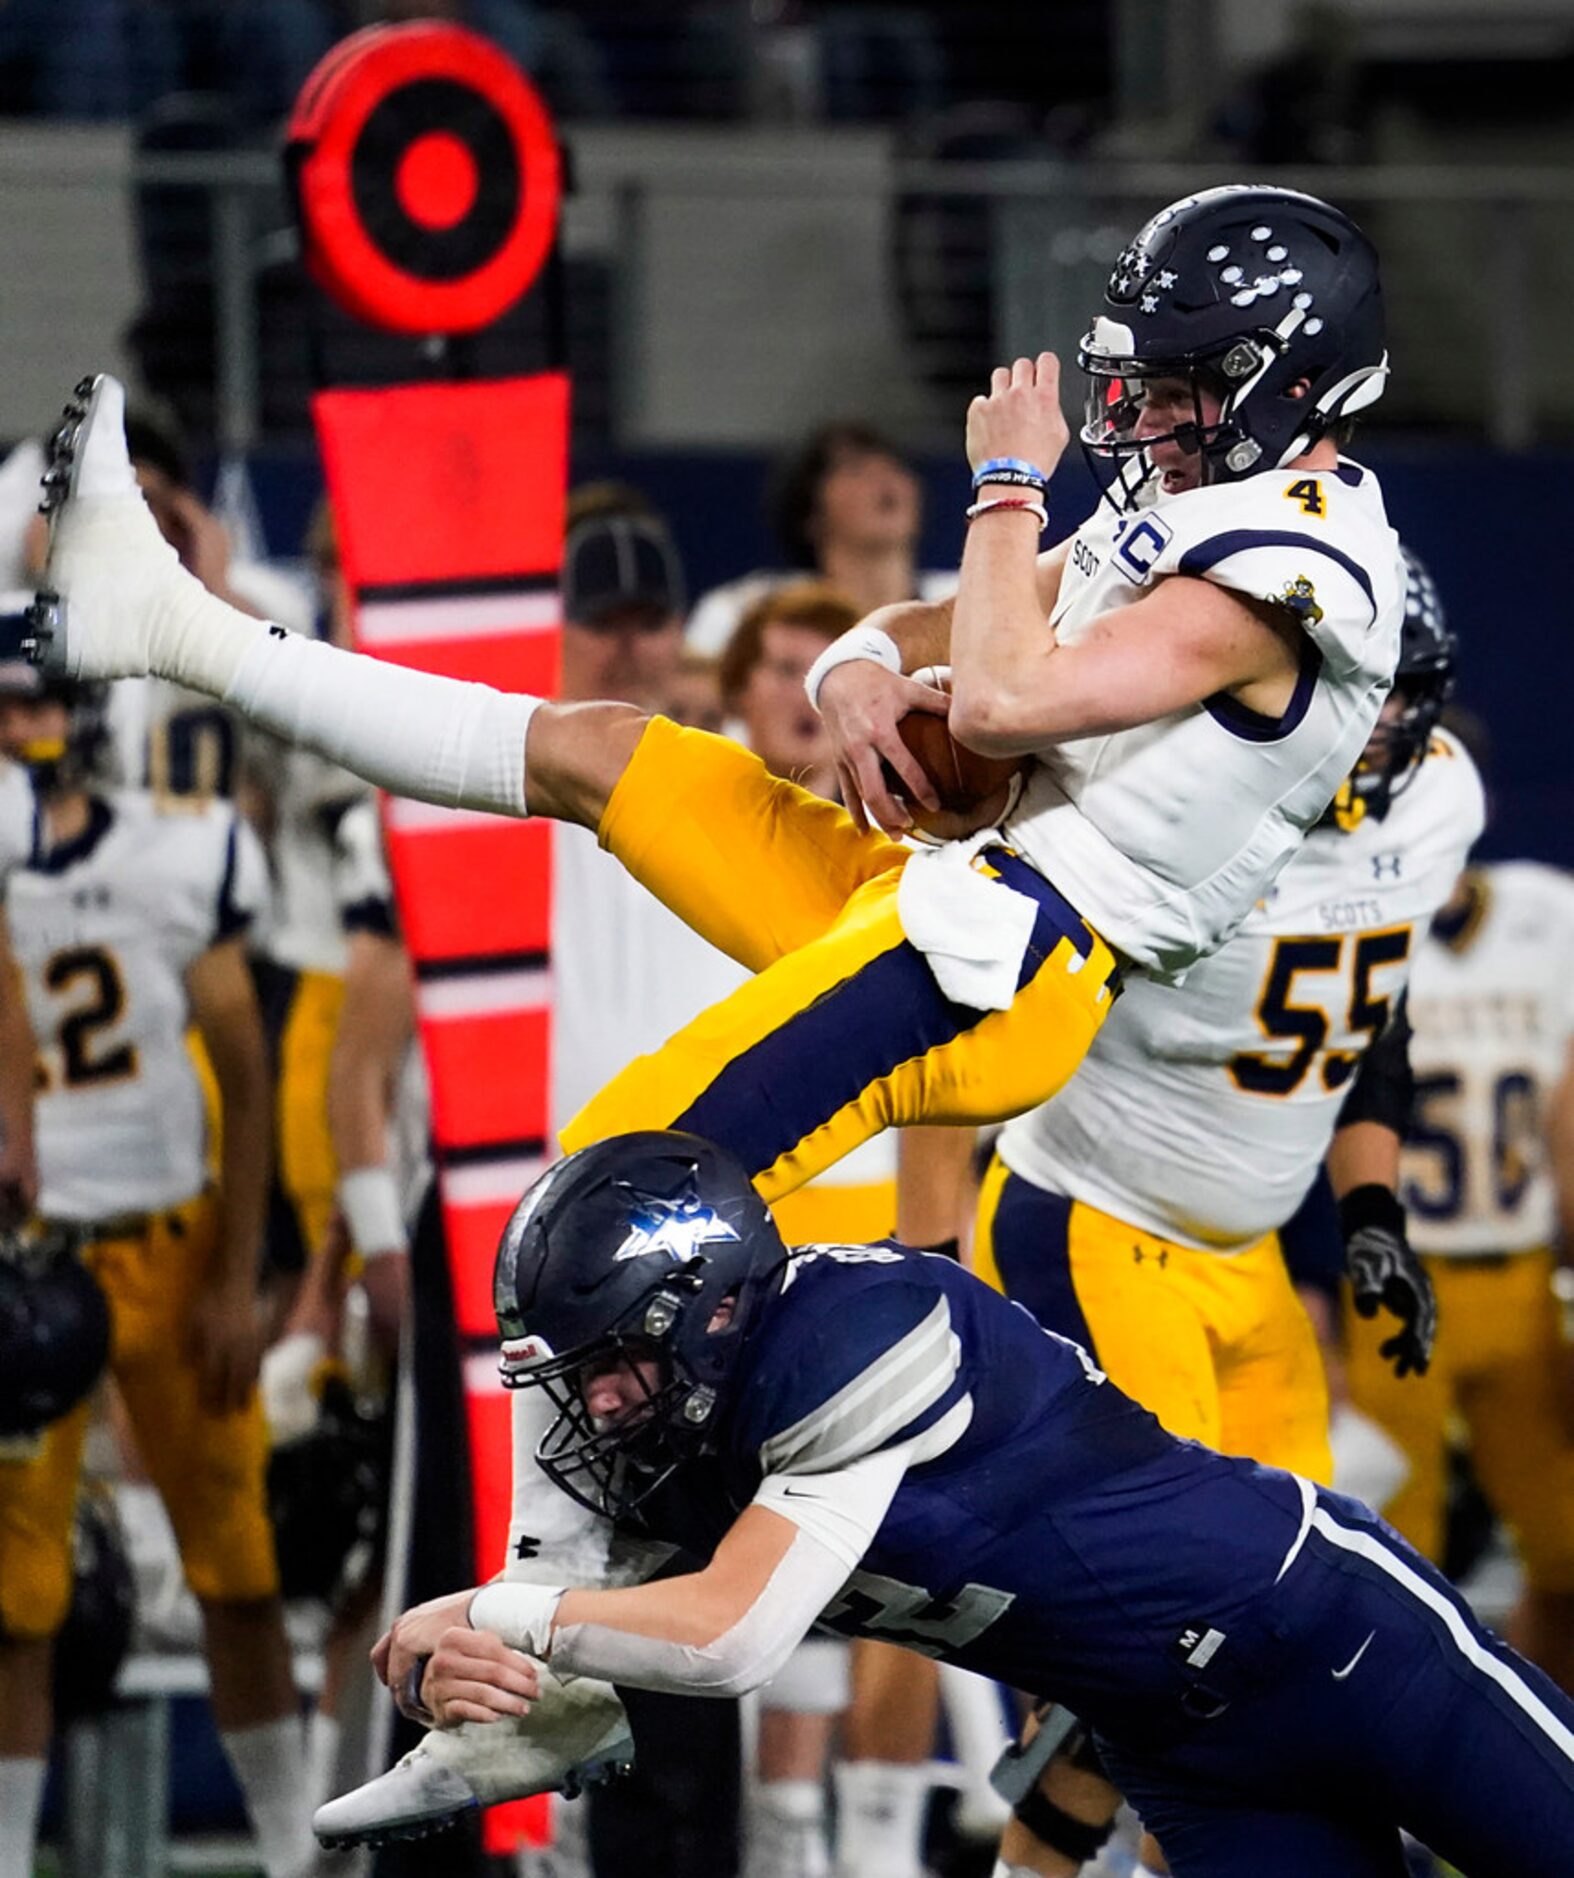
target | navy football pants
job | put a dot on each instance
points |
(1388, 1702)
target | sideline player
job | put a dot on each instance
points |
(1163, 1258)
(1215, 665)
(1489, 1187)
(129, 922)
(869, 1437)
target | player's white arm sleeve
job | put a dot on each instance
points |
(553, 1540)
(837, 1515)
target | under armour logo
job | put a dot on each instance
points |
(526, 1547)
(277, 632)
(1386, 866)
(1161, 1258)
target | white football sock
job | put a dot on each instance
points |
(440, 740)
(136, 609)
(787, 1831)
(322, 1757)
(880, 1808)
(270, 1765)
(21, 1796)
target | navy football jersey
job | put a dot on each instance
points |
(1063, 1542)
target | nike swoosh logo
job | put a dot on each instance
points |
(792, 1493)
(1340, 1674)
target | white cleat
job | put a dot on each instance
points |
(110, 574)
(575, 1736)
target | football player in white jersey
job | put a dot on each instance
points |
(1489, 1187)
(129, 924)
(1139, 1210)
(1214, 666)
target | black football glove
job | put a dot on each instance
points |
(1385, 1274)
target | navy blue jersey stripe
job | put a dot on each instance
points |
(1240, 720)
(1206, 554)
(1032, 1245)
(889, 1011)
(229, 918)
(374, 914)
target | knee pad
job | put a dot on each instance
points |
(1053, 1826)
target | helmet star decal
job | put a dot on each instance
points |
(1132, 266)
(677, 1225)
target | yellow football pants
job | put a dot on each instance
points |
(828, 1214)
(843, 1031)
(1496, 1367)
(307, 1170)
(1218, 1347)
(209, 1469)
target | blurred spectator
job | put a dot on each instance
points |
(694, 693)
(622, 601)
(779, 637)
(848, 506)
(20, 474)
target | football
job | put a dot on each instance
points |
(972, 788)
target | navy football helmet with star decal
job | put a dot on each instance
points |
(1423, 685)
(1267, 300)
(650, 1250)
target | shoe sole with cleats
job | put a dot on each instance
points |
(447, 1812)
(45, 641)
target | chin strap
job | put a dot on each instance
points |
(1348, 809)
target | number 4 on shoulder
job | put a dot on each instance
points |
(1309, 493)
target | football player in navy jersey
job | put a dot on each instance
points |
(871, 1439)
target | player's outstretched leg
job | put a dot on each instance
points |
(116, 602)
(575, 1735)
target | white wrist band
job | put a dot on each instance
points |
(369, 1201)
(520, 1614)
(858, 642)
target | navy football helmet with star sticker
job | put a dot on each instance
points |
(1423, 685)
(1265, 299)
(646, 1250)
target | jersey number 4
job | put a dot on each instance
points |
(1306, 1025)
(85, 1055)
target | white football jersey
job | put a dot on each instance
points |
(310, 796)
(1203, 1110)
(364, 895)
(18, 814)
(1493, 1015)
(1164, 836)
(104, 928)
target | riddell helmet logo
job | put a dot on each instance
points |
(677, 1226)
